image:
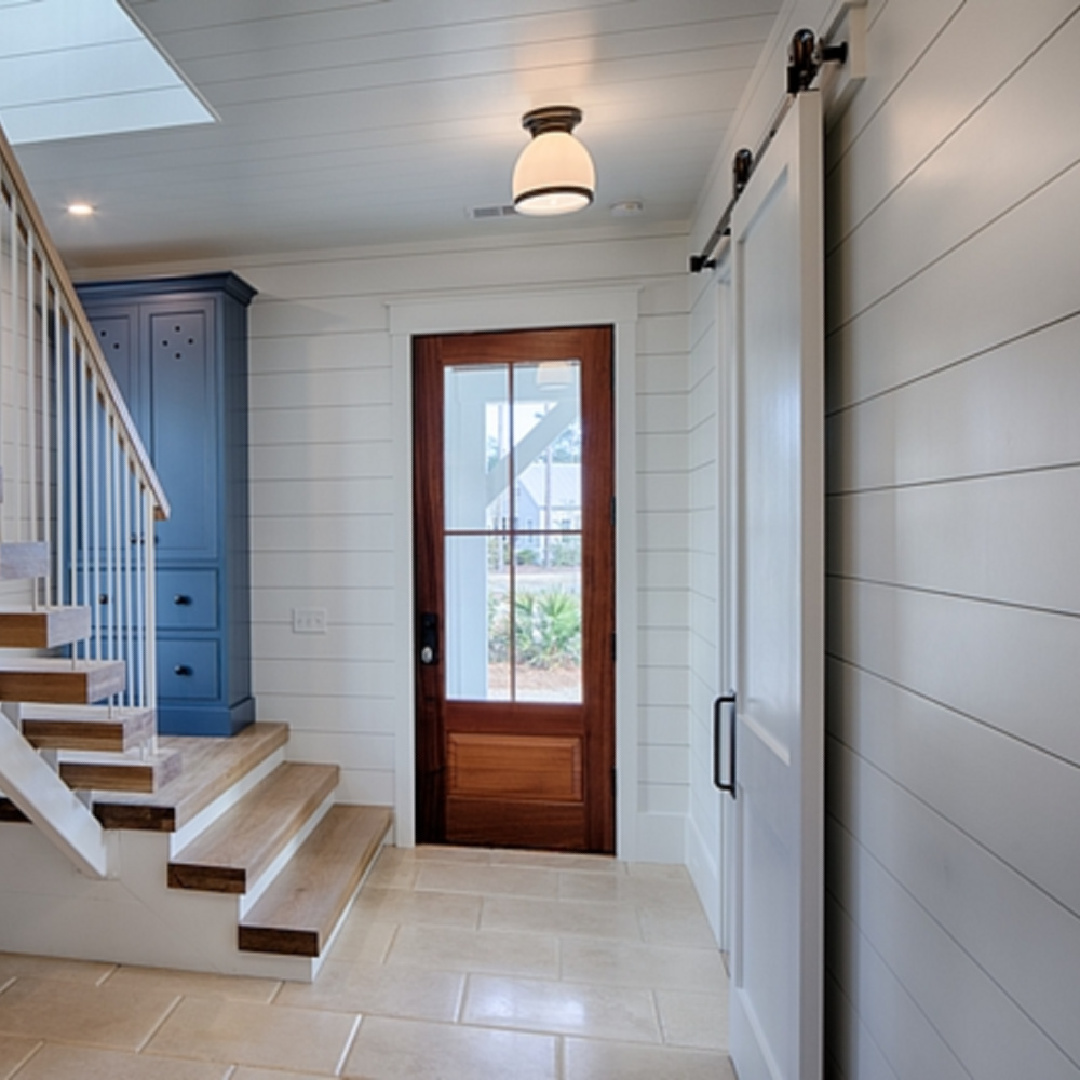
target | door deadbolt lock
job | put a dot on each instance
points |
(429, 638)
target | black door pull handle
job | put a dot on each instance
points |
(727, 785)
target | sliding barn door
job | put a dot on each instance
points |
(777, 944)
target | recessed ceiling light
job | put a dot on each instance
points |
(80, 209)
(628, 208)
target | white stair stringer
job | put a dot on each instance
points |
(27, 779)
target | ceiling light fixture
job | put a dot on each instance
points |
(80, 209)
(554, 174)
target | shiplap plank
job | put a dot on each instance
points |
(293, 424)
(663, 608)
(659, 531)
(1013, 668)
(270, 497)
(663, 725)
(663, 798)
(978, 297)
(986, 174)
(926, 749)
(1008, 410)
(352, 532)
(325, 712)
(319, 352)
(352, 750)
(359, 678)
(279, 322)
(849, 1048)
(904, 1034)
(330, 569)
(344, 36)
(312, 389)
(322, 461)
(894, 43)
(993, 527)
(1019, 937)
(662, 373)
(277, 641)
(661, 452)
(274, 601)
(663, 492)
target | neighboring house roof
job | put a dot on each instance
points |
(565, 484)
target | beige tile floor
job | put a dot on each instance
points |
(454, 964)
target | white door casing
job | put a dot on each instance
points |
(776, 1011)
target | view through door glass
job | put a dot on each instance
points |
(514, 582)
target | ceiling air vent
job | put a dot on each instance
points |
(486, 213)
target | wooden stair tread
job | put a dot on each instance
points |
(22, 561)
(300, 910)
(72, 682)
(86, 727)
(233, 852)
(208, 768)
(43, 628)
(83, 771)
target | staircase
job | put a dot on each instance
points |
(202, 854)
(240, 863)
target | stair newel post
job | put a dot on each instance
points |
(92, 553)
(150, 627)
(88, 596)
(31, 372)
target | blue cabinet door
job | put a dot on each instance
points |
(185, 409)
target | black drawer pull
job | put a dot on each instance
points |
(180, 600)
(182, 669)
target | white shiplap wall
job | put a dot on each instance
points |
(325, 458)
(954, 900)
(953, 775)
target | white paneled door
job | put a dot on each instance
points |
(778, 879)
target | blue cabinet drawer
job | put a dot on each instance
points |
(188, 670)
(187, 599)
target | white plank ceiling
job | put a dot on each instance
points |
(346, 123)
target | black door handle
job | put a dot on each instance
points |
(729, 784)
(429, 638)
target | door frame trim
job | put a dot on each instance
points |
(526, 309)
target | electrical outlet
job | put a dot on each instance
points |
(309, 620)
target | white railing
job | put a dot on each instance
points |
(76, 477)
(79, 496)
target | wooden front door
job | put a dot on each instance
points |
(514, 529)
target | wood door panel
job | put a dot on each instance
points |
(514, 766)
(541, 826)
(511, 773)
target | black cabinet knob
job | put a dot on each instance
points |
(180, 600)
(182, 669)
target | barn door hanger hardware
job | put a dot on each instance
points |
(806, 57)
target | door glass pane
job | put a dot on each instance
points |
(477, 628)
(547, 446)
(477, 429)
(547, 618)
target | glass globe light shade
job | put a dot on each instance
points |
(553, 175)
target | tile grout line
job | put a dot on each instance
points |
(29, 1057)
(160, 1024)
(350, 1042)
(108, 975)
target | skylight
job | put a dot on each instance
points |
(70, 68)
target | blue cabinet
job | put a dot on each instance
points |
(178, 350)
